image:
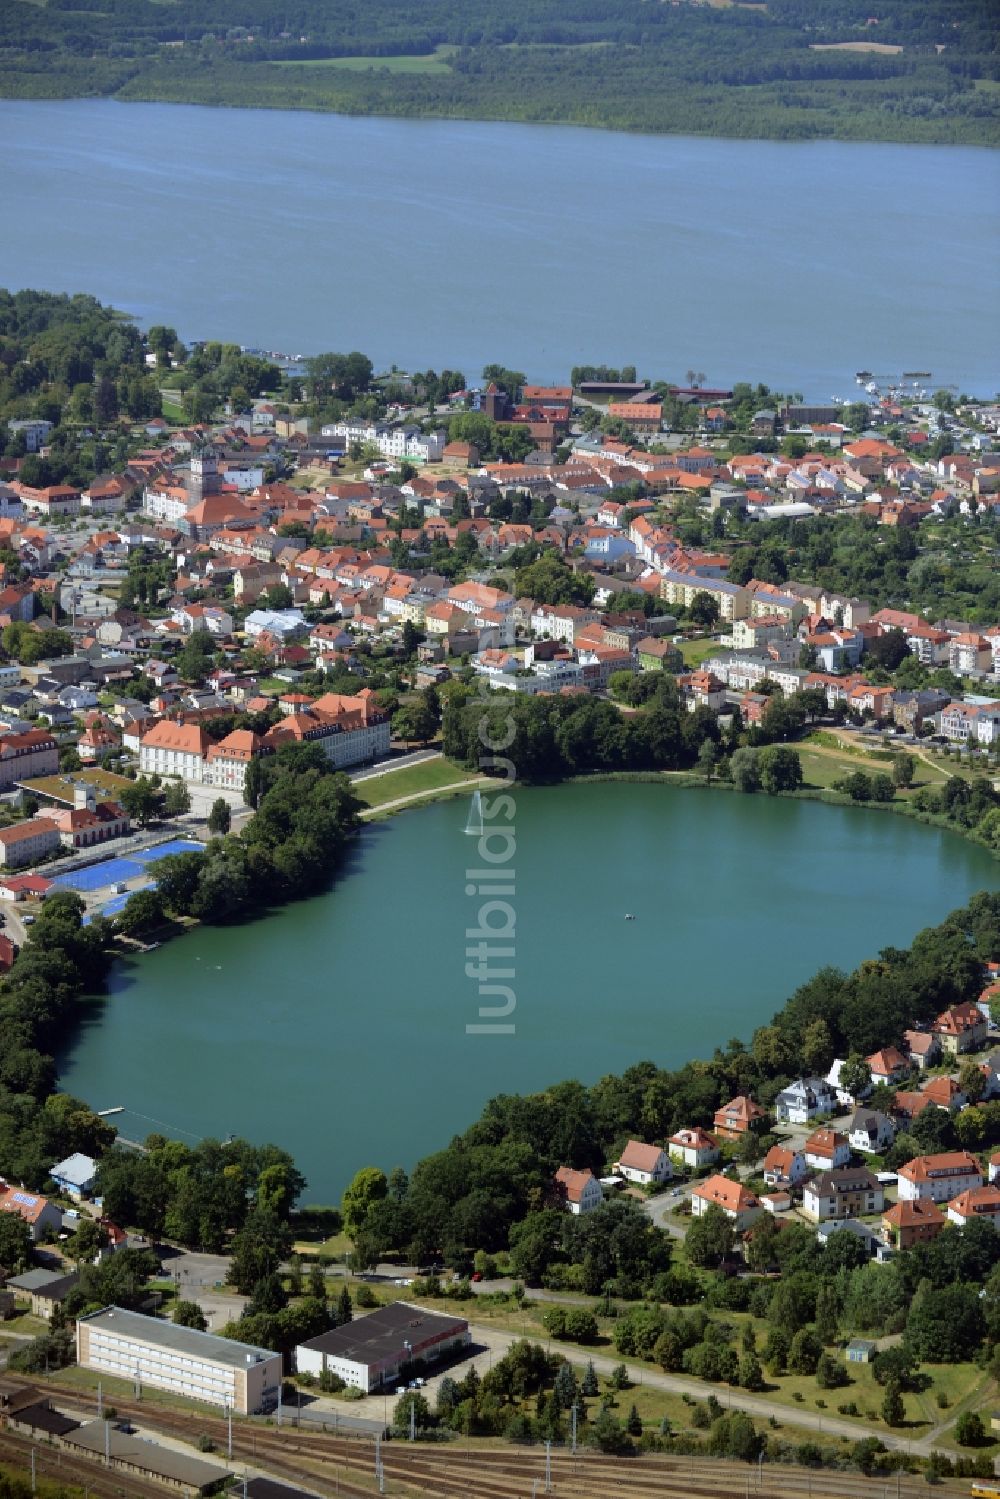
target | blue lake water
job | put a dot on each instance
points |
(337, 1026)
(452, 243)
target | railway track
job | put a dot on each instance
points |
(345, 1465)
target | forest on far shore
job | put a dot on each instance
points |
(900, 70)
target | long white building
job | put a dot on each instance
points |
(196, 1365)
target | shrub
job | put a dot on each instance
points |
(830, 1373)
(969, 1429)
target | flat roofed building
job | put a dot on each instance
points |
(369, 1352)
(195, 1365)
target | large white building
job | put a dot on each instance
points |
(33, 753)
(371, 1352)
(939, 1178)
(407, 443)
(195, 1365)
(27, 842)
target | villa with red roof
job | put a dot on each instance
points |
(738, 1203)
(580, 1191)
(693, 1147)
(644, 1164)
(963, 1027)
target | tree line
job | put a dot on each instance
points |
(732, 71)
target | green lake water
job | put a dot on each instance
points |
(337, 1027)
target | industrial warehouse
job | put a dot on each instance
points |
(197, 1365)
(371, 1352)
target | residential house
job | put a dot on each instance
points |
(39, 1214)
(944, 1093)
(911, 1222)
(909, 1103)
(738, 1203)
(847, 1192)
(737, 1117)
(693, 1147)
(75, 1175)
(644, 1164)
(871, 1131)
(580, 1191)
(804, 1099)
(827, 1150)
(784, 1167)
(961, 1028)
(976, 1204)
(98, 742)
(848, 1100)
(888, 1066)
(991, 1072)
(922, 1047)
(940, 1177)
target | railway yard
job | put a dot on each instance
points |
(328, 1465)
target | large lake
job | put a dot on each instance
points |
(452, 243)
(337, 1027)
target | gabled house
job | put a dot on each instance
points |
(693, 1147)
(848, 1100)
(826, 1149)
(961, 1028)
(804, 1099)
(922, 1047)
(738, 1203)
(784, 1167)
(738, 1116)
(579, 1191)
(944, 1093)
(991, 1072)
(888, 1066)
(644, 1164)
(871, 1131)
(38, 1213)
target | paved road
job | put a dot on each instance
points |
(200, 1278)
(666, 1202)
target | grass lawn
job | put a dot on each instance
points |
(438, 61)
(695, 651)
(430, 775)
(823, 770)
